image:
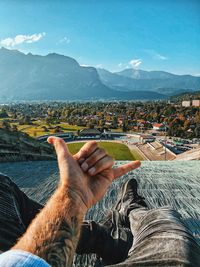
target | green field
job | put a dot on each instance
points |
(116, 150)
(136, 154)
(36, 130)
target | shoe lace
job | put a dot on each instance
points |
(134, 196)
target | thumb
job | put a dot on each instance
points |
(60, 147)
(63, 157)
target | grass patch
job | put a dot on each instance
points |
(36, 130)
(116, 150)
(75, 147)
(118, 130)
(33, 130)
(70, 128)
(136, 154)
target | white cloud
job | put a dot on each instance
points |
(65, 40)
(155, 54)
(161, 57)
(19, 39)
(135, 63)
(120, 65)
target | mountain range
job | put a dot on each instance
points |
(153, 81)
(58, 77)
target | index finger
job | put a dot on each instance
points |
(86, 150)
(119, 171)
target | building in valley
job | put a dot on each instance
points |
(186, 103)
(196, 103)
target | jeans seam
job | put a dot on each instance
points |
(17, 212)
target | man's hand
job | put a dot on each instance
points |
(89, 173)
(84, 178)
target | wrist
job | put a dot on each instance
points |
(73, 200)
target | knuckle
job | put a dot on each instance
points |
(91, 159)
(92, 143)
(98, 165)
(88, 147)
(111, 159)
(102, 150)
(83, 151)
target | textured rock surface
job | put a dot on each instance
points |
(17, 146)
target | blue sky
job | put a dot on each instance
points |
(112, 34)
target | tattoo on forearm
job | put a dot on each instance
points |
(53, 235)
(60, 250)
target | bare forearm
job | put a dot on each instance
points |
(54, 233)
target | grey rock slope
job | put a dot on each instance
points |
(157, 81)
(54, 77)
(51, 77)
(173, 184)
(17, 146)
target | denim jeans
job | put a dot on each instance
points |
(160, 239)
(16, 212)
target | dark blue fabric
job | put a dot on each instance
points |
(16, 212)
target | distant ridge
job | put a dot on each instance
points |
(58, 77)
(146, 75)
(55, 77)
(153, 81)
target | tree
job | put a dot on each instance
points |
(6, 125)
(186, 125)
(114, 122)
(197, 132)
(125, 126)
(14, 128)
(3, 114)
(45, 129)
(197, 118)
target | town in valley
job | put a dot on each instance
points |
(155, 130)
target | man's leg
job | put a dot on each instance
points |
(16, 212)
(160, 237)
(110, 240)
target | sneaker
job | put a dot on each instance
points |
(129, 198)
